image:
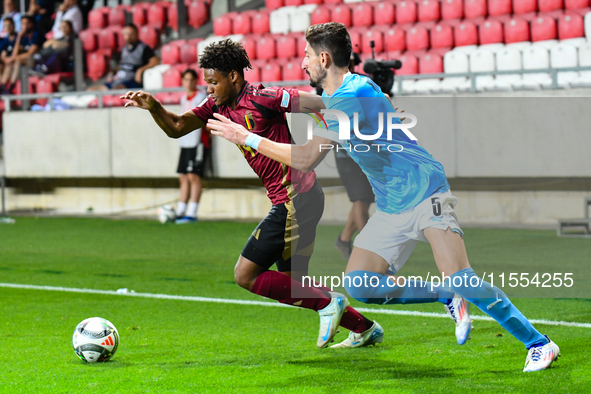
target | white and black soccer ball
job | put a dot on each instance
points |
(166, 214)
(95, 339)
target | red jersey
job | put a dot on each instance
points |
(262, 111)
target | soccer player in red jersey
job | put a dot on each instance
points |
(283, 238)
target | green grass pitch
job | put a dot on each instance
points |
(178, 346)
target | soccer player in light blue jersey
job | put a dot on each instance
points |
(413, 198)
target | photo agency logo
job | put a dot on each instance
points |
(318, 125)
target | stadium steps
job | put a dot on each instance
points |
(580, 228)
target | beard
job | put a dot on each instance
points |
(317, 82)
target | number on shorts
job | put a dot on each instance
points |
(436, 206)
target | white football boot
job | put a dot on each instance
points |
(541, 357)
(459, 310)
(330, 318)
(371, 336)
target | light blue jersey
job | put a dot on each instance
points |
(401, 173)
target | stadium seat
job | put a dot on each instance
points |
(342, 14)
(363, 14)
(455, 62)
(300, 18)
(295, 3)
(483, 61)
(543, 28)
(333, 1)
(98, 18)
(117, 16)
(292, 71)
(266, 47)
(406, 12)
(253, 75)
(317, 2)
(524, 6)
(260, 23)
(171, 78)
(584, 78)
(301, 45)
(372, 35)
(394, 39)
(499, 7)
(172, 16)
(465, 33)
(320, 15)
(417, 38)
(157, 15)
(45, 85)
(475, 8)
(150, 36)
(536, 57)
(452, 9)
(188, 53)
(271, 72)
(576, 4)
(242, 24)
(550, 5)
(222, 25)
(516, 30)
(383, 13)
(249, 44)
(170, 53)
(279, 20)
(96, 64)
(153, 77)
(355, 35)
(286, 47)
(587, 20)
(107, 39)
(570, 25)
(495, 47)
(564, 56)
(272, 5)
(508, 59)
(490, 32)
(428, 10)
(139, 14)
(89, 40)
(410, 65)
(430, 63)
(442, 36)
(577, 42)
(198, 13)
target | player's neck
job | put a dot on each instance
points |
(334, 80)
(237, 90)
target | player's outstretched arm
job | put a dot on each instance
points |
(175, 126)
(301, 157)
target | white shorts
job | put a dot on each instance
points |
(394, 236)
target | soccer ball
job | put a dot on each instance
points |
(95, 339)
(166, 214)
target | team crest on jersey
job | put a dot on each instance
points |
(249, 120)
(285, 99)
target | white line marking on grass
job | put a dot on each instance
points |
(265, 303)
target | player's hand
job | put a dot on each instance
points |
(224, 127)
(402, 110)
(140, 99)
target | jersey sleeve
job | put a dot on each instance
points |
(282, 99)
(205, 110)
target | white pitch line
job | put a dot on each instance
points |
(273, 304)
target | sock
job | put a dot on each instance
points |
(351, 320)
(192, 209)
(180, 209)
(373, 288)
(278, 286)
(492, 301)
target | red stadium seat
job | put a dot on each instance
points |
(429, 10)
(417, 38)
(97, 65)
(150, 36)
(452, 9)
(260, 22)
(188, 53)
(543, 28)
(571, 25)
(89, 40)
(253, 75)
(242, 24)
(266, 47)
(406, 12)
(249, 45)
(292, 71)
(45, 86)
(320, 15)
(301, 45)
(172, 78)
(172, 16)
(442, 36)
(222, 25)
(342, 14)
(198, 13)
(170, 54)
(271, 73)
(550, 5)
(363, 14)
(576, 4)
(313, 2)
(157, 16)
(499, 7)
(273, 4)
(286, 47)
(516, 30)
(383, 13)
(355, 39)
(465, 33)
(474, 8)
(410, 65)
(372, 35)
(117, 16)
(119, 35)
(97, 18)
(490, 32)
(333, 1)
(430, 63)
(395, 39)
(293, 3)
(107, 39)
(524, 6)
(139, 14)
(112, 101)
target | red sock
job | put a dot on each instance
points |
(351, 320)
(278, 286)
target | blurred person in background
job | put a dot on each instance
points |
(67, 11)
(42, 13)
(7, 46)
(10, 12)
(57, 53)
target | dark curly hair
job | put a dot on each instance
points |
(225, 56)
(331, 37)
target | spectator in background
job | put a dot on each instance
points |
(7, 46)
(86, 6)
(194, 153)
(68, 11)
(136, 57)
(10, 12)
(57, 53)
(28, 43)
(42, 13)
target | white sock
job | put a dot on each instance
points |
(192, 209)
(180, 209)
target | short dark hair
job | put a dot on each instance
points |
(191, 72)
(132, 25)
(331, 37)
(69, 23)
(29, 17)
(8, 19)
(225, 56)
